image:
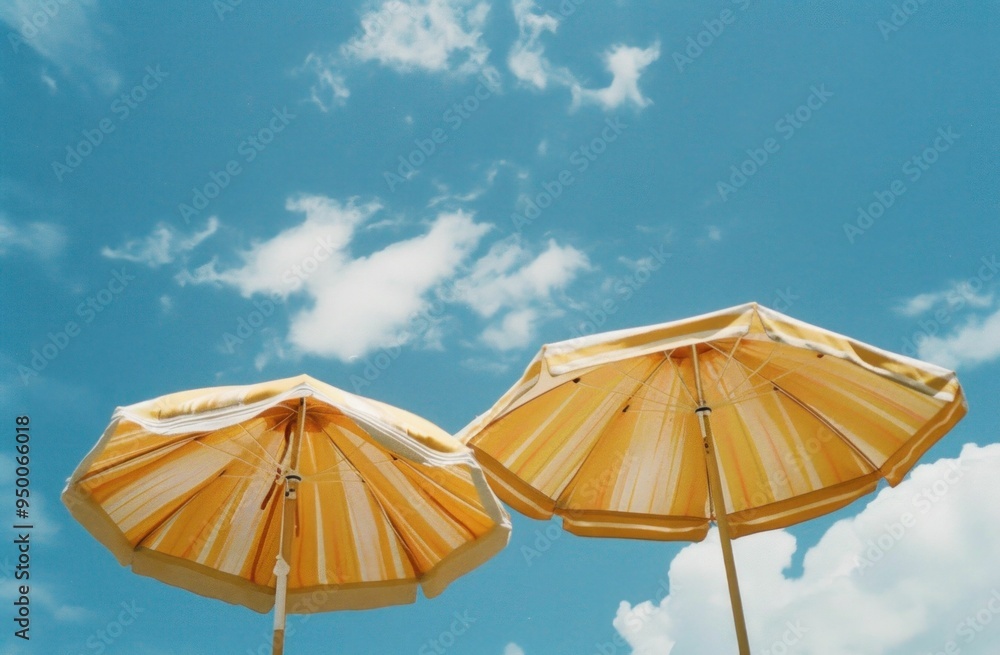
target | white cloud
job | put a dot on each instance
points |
(515, 330)
(63, 33)
(354, 304)
(508, 277)
(977, 341)
(275, 266)
(427, 35)
(330, 89)
(952, 299)
(914, 571)
(368, 302)
(626, 64)
(513, 649)
(527, 56)
(43, 239)
(515, 289)
(714, 233)
(162, 246)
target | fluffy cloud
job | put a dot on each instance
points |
(977, 341)
(162, 246)
(513, 286)
(366, 303)
(513, 649)
(914, 572)
(43, 239)
(626, 64)
(427, 35)
(954, 331)
(355, 304)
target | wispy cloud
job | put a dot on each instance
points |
(626, 64)
(64, 33)
(526, 59)
(45, 240)
(956, 296)
(330, 87)
(162, 246)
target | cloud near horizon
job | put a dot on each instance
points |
(914, 572)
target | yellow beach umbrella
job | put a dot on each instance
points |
(744, 417)
(290, 494)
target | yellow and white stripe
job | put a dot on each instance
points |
(188, 489)
(602, 430)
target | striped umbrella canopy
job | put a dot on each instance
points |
(290, 494)
(745, 417)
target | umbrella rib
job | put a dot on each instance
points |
(753, 391)
(179, 508)
(730, 356)
(644, 382)
(236, 457)
(375, 495)
(677, 373)
(597, 440)
(756, 371)
(822, 419)
(274, 462)
(610, 392)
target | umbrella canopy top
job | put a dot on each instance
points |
(174, 413)
(188, 488)
(603, 429)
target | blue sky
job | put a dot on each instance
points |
(405, 199)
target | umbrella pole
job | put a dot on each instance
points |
(718, 505)
(281, 566)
